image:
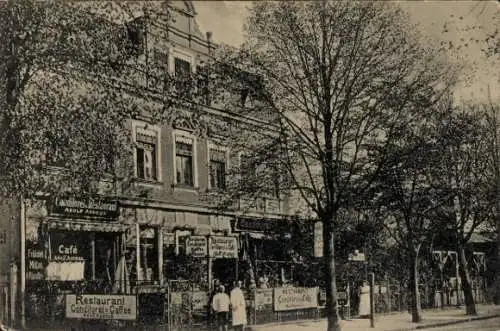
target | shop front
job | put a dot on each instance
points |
(269, 256)
(73, 245)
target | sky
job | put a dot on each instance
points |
(226, 18)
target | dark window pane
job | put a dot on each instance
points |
(140, 163)
(182, 68)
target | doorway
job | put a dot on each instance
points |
(224, 270)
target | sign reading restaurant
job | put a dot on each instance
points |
(94, 306)
(85, 207)
(293, 298)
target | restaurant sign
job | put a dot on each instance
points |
(90, 306)
(292, 298)
(85, 207)
(255, 225)
(196, 246)
(223, 247)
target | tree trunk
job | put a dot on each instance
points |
(470, 306)
(416, 314)
(330, 279)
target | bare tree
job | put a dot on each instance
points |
(340, 79)
(460, 178)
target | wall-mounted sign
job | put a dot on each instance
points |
(85, 207)
(66, 247)
(117, 307)
(263, 299)
(292, 298)
(318, 239)
(255, 224)
(36, 260)
(223, 247)
(196, 246)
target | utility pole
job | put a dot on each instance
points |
(372, 301)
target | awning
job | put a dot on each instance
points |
(92, 226)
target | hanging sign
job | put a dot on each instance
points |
(95, 306)
(318, 239)
(292, 298)
(196, 246)
(223, 247)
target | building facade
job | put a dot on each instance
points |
(159, 230)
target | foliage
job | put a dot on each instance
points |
(72, 75)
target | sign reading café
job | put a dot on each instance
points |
(94, 306)
(84, 207)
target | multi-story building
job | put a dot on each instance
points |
(159, 229)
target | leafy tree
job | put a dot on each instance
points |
(71, 77)
(342, 80)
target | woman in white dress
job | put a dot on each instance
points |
(364, 300)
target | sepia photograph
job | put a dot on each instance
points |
(321, 165)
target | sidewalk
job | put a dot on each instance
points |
(392, 322)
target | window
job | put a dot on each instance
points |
(184, 163)
(147, 151)
(135, 36)
(149, 254)
(146, 157)
(203, 86)
(182, 74)
(3, 236)
(182, 68)
(217, 169)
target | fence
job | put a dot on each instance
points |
(180, 305)
(394, 297)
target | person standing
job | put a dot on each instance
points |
(220, 305)
(238, 306)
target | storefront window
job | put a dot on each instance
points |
(149, 254)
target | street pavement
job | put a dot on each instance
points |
(439, 319)
(483, 325)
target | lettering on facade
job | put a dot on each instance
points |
(223, 247)
(118, 307)
(91, 207)
(63, 250)
(35, 263)
(257, 225)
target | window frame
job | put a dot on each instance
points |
(181, 55)
(151, 130)
(188, 136)
(219, 147)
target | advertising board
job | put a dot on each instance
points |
(95, 306)
(292, 298)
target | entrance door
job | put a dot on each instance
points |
(106, 257)
(224, 270)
